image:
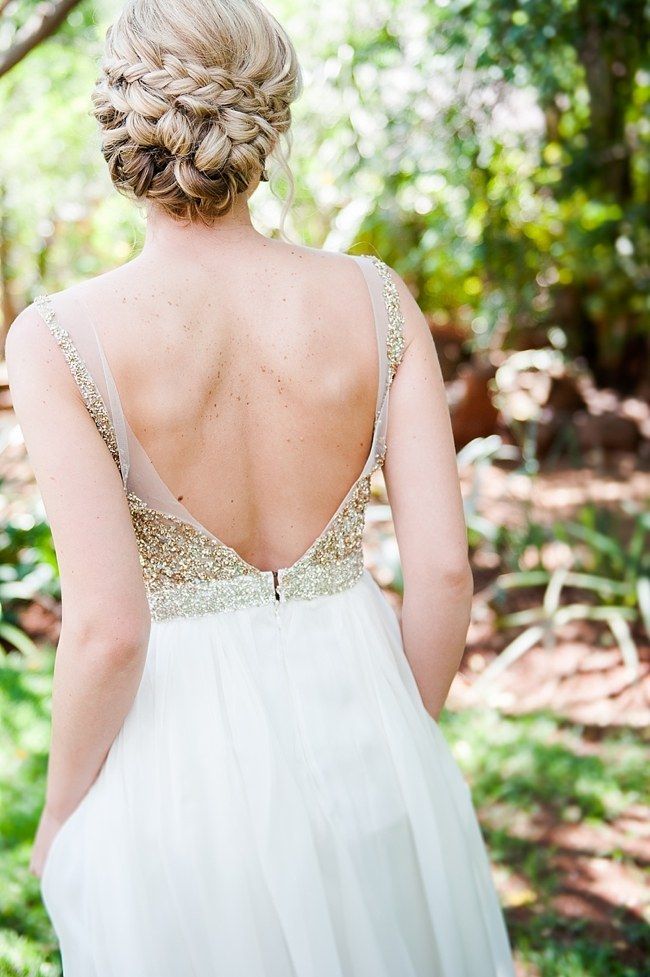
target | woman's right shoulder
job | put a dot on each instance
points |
(320, 259)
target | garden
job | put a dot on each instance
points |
(497, 155)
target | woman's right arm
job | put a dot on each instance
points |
(424, 494)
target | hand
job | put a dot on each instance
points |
(48, 827)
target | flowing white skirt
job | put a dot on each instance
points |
(278, 803)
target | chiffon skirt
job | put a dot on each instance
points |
(278, 803)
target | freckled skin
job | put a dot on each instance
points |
(249, 375)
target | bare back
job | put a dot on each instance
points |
(251, 385)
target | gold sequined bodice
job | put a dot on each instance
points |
(187, 571)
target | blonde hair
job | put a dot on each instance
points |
(193, 100)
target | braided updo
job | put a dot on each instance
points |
(193, 99)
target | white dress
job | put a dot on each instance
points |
(278, 802)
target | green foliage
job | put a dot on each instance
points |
(59, 218)
(468, 144)
(535, 762)
(580, 958)
(27, 559)
(28, 569)
(495, 153)
(27, 944)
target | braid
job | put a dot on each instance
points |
(185, 132)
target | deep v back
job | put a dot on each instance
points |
(155, 507)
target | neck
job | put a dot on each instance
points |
(195, 242)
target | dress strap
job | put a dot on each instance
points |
(395, 345)
(113, 400)
(90, 393)
(389, 317)
(389, 322)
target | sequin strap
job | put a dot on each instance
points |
(389, 320)
(81, 375)
(395, 318)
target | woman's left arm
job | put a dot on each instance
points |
(106, 620)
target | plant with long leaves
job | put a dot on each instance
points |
(615, 569)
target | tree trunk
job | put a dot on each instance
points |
(610, 48)
(6, 303)
(53, 15)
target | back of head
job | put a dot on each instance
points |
(193, 99)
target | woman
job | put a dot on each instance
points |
(246, 776)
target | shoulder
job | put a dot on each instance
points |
(412, 321)
(323, 280)
(33, 360)
(35, 329)
(323, 260)
(319, 263)
(343, 267)
(31, 327)
(27, 336)
(405, 296)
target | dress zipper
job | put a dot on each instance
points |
(276, 584)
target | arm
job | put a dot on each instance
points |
(105, 626)
(424, 494)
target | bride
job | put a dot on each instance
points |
(246, 777)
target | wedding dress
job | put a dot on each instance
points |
(278, 802)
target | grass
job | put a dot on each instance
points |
(538, 760)
(528, 775)
(552, 798)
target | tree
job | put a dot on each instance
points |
(497, 153)
(46, 18)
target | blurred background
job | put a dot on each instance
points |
(497, 154)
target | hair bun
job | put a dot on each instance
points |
(192, 101)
